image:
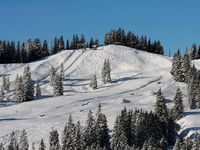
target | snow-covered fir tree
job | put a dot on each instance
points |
(68, 135)
(163, 143)
(78, 143)
(4, 82)
(62, 71)
(193, 52)
(28, 85)
(89, 134)
(2, 147)
(58, 85)
(52, 75)
(119, 139)
(54, 140)
(102, 134)
(178, 107)
(42, 145)
(7, 86)
(160, 107)
(93, 82)
(177, 145)
(33, 146)
(23, 141)
(2, 93)
(185, 67)
(19, 90)
(105, 73)
(37, 89)
(13, 144)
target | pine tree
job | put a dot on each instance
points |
(89, 133)
(7, 85)
(45, 49)
(102, 131)
(19, 90)
(52, 75)
(54, 140)
(78, 143)
(37, 89)
(160, 107)
(185, 66)
(33, 146)
(23, 142)
(2, 94)
(196, 143)
(28, 85)
(163, 144)
(68, 135)
(193, 52)
(119, 139)
(58, 85)
(1, 147)
(4, 82)
(177, 145)
(106, 72)
(62, 71)
(178, 108)
(42, 145)
(93, 82)
(13, 144)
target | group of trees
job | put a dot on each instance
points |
(105, 74)
(56, 80)
(35, 49)
(184, 71)
(24, 87)
(133, 130)
(119, 37)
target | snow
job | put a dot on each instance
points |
(136, 76)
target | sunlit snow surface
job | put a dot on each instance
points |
(136, 76)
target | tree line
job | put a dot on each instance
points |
(119, 37)
(35, 49)
(133, 130)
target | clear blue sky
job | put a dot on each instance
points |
(175, 23)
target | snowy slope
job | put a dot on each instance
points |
(136, 76)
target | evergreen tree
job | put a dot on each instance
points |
(45, 49)
(196, 143)
(24, 54)
(160, 107)
(102, 131)
(7, 84)
(193, 52)
(33, 146)
(78, 137)
(68, 135)
(28, 85)
(2, 94)
(42, 145)
(62, 71)
(23, 143)
(58, 85)
(37, 89)
(54, 140)
(106, 72)
(19, 90)
(93, 82)
(163, 144)
(185, 66)
(1, 147)
(52, 75)
(177, 145)
(13, 144)
(89, 132)
(178, 108)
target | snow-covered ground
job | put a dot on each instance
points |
(136, 75)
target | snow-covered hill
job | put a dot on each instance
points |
(136, 76)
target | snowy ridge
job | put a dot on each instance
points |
(136, 76)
